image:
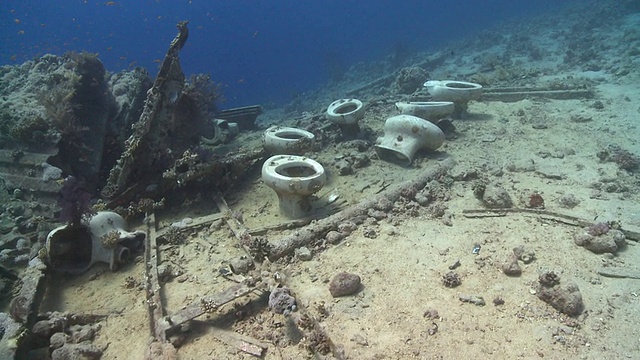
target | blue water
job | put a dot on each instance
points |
(260, 51)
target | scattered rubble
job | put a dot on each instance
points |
(565, 298)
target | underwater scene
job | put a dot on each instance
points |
(319, 180)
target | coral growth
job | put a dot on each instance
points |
(59, 110)
(623, 158)
(549, 279)
(259, 248)
(30, 129)
(536, 201)
(281, 301)
(74, 202)
(451, 279)
(410, 79)
(601, 238)
(205, 93)
(111, 239)
(567, 299)
(598, 229)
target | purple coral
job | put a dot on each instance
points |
(74, 201)
(598, 229)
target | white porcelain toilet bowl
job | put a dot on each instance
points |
(294, 179)
(287, 140)
(428, 110)
(456, 91)
(346, 113)
(103, 239)
(404, 135)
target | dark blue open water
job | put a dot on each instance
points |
(261, 51)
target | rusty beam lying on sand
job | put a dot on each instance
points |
(153, 288)
(432, 61)
(619, 273)
(160, 347)
(629, 233)
(318, 341)
(160, 324)
(513, 94)
(315, 231)
(206, 304)
(241, 342)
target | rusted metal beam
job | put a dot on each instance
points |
(512, 94)
(204, 305)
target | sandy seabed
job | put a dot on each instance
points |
(403, 310)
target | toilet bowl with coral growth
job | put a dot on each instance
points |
(294, 179)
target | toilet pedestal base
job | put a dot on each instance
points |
(294, 206)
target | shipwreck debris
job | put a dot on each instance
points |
(245, 117)
(513, 94)
(22, 313)
(169, 124)
(472, 299)
(320, 228)
(20, 174)
(628, 231)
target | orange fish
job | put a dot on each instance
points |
(21, 32)
(110, 3)
(17, 21)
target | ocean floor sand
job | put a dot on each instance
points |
(558, 151)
